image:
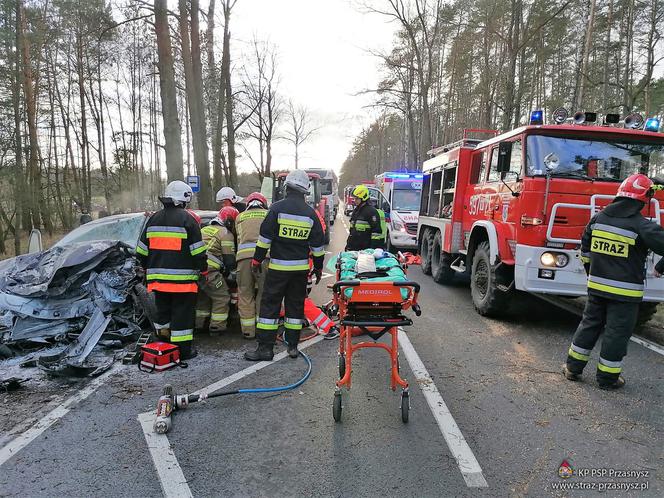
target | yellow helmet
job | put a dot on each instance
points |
(361, 192)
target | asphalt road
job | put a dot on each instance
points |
(500, 381)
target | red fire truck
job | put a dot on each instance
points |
(509, 211)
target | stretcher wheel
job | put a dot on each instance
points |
(405, 406)
(342, 366)
(336, 407)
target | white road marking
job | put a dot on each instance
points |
(343, 220)
(25, 438)
(326, 275)
(172, 480)
(648, 344)
(468, 464)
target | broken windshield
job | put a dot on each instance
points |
(610, 160)
(125, 228)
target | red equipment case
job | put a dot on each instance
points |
(159, 356)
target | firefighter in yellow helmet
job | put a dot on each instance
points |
(364, 222)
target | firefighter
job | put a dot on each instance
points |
(379, 239)
(291, 230)
(364, 222)
(213, 301)
(226, 196)
(172, 252)
(250, 284)
(614, 247)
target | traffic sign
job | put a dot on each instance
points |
(194, 181)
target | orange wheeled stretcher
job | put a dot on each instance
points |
(374, 309)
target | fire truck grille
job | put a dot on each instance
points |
(411, 228)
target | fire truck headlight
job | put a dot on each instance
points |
(561, 260)
(554, 259)
(548, 259)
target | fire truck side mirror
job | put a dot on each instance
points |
(504, 157)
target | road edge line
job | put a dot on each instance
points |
(26, 437)
(648, 344)
(456, 442)
(171, 478)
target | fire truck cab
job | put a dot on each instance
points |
(509, 211)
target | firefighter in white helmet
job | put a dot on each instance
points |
(172, 252)
(226, 196)
(291, 231)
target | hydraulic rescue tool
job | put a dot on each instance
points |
(170, 402)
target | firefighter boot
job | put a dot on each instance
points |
(569, 375)
(265, 349)
(610, 386)
(187, 350)
(292, 338)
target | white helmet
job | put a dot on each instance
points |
(227, 193)
(298, 180)
(178, 192)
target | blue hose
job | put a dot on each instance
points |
(282, 388)
(200, 397)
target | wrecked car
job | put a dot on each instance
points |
(57, 305)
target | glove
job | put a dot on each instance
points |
(203, 278)
(231, 279)
(256, 267)
(318, 273)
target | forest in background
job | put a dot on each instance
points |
(488, 63)
(102, 101)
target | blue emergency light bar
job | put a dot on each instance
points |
(652, 124)
(537, 117)
(405, 176)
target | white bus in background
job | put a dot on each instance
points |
(329, 185)
(402, 192)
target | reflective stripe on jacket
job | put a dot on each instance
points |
(615, 243)
(172, 251)
(291, 231)
(248, 226)
(364, 224)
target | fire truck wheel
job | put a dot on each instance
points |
(646, 311)
(425, 252)
(487, 298)
(440, 265)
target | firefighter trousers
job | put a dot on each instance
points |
(291, 288)
(250, 292)
(213, 302)
(316, 317)
(176, 312)
(616, 319)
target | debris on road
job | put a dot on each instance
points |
(56, 306)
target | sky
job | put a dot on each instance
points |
(323, 61)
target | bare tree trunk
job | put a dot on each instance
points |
(226, 75)
(169, 110)
(194, 82)
(22, 210)
(586, 54)
(31, 113)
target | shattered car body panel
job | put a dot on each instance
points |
(73, 295)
